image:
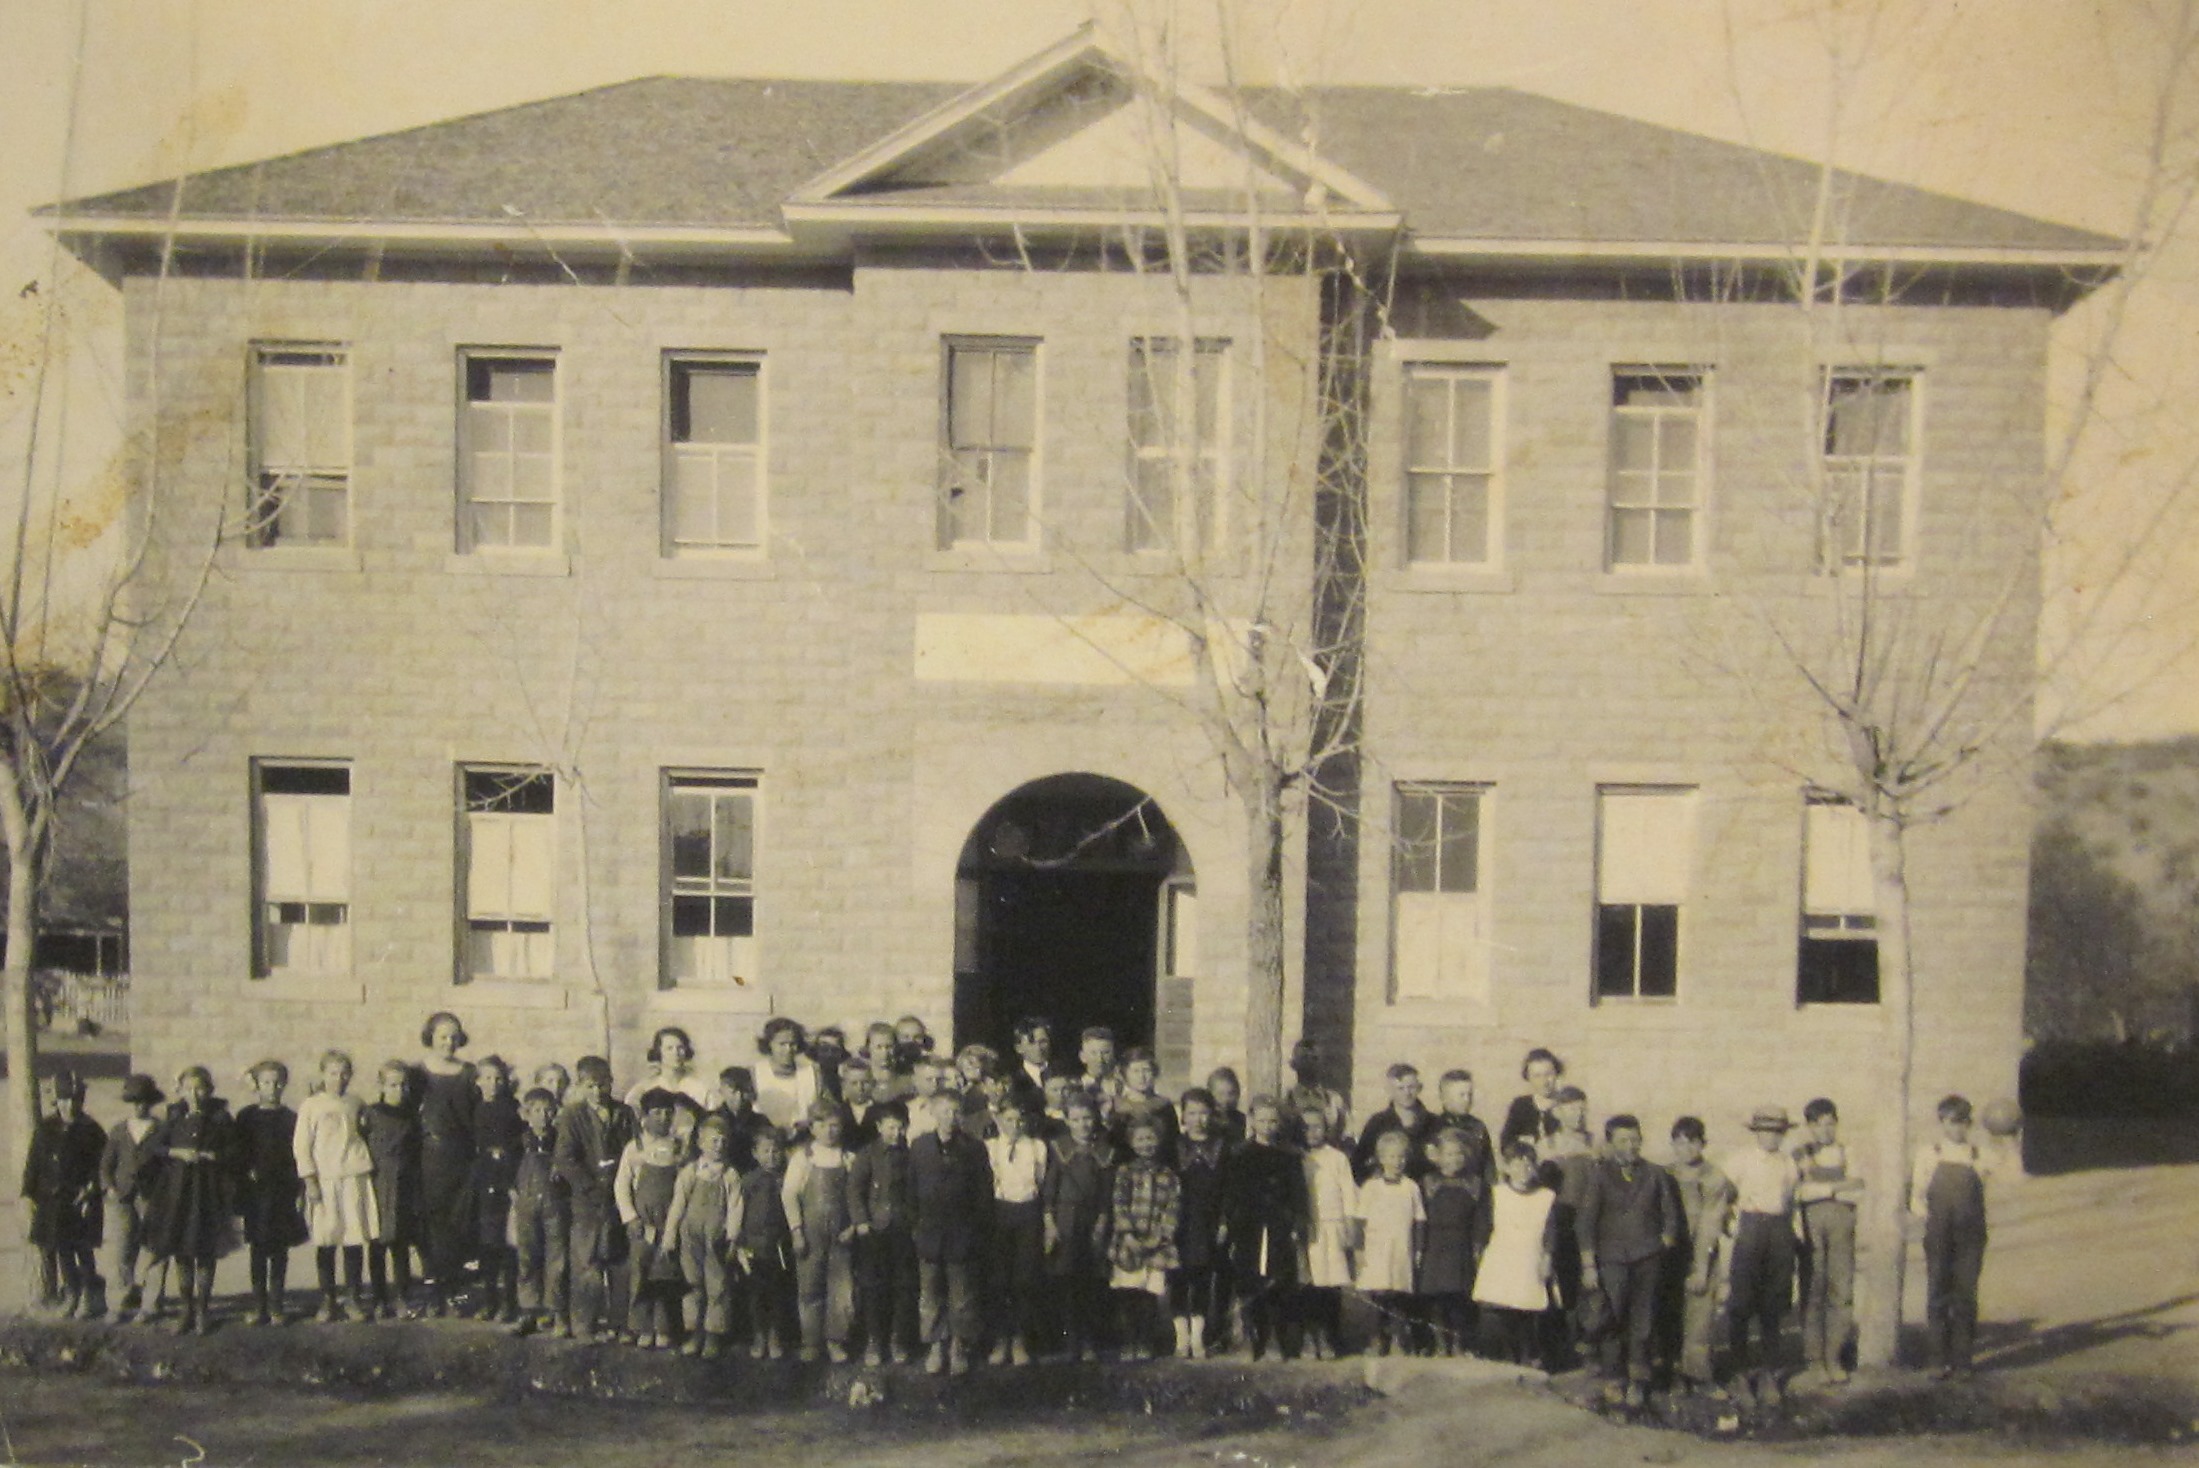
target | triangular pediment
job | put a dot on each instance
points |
(1080, 127)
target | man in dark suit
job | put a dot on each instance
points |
(1034, 1038)
(950, 1203)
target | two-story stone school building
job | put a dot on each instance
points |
(692, 549)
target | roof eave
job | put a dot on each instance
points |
(1479, 250)
(849, 220)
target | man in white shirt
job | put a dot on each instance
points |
(1764, 1179)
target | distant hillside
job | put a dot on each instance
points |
(2114, 948)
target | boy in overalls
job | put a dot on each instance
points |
(1947, 1191)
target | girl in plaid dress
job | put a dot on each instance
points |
(1142, 1247)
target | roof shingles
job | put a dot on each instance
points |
(1474, 164)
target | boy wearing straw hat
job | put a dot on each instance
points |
(1764, 1178)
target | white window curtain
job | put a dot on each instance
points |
(1442, 947)
(1836, 861)
(1644, 848)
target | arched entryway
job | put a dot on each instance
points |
(1074, 900)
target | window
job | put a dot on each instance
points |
(1838, 963)
(510, 851)
(991, 441)
(1180, 928)
(303, 869)
(509, 456)
(1440, 925)
(300, 447)
(713, 456)
(1870, 466)
(1644, 838)
(1451, 460)
(1656, 467)
(1166, 454)
(710, 886)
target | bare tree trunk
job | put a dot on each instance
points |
(1264, 830)
(15, 977)
(1885, 1253)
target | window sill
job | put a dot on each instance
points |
(1689, 582)
(307, 989)
(713, 568)
(710, 999)
(1008, 560)
(1862, 1016)
(508, 563)
(514, 994)
(321, 559)
(1449, 581)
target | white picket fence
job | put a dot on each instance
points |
(74, 998)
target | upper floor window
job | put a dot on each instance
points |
(302, 869)
(1644, 846)
(713, 455)
(1870, 466)
(1656, 467)
(710, 878)
(509, 841)
(1177, 458)
(1452, 455)
(300, 413)
(508, 459)
(990, 444)
(1838, 961)
(1440, 921)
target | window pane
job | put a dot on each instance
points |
(489, 474)
(1427, 534)
(531, 525)
(1470, 422)
(1469, 494)
(1660, 955)
(530, 431)
(969, 397)
(1015, 421)
(690, 917)
(1674, 546)
(1837, 971)
(1150, 393)
(1428, 423)
(715, 402)
(735, 823)
(1461, 844)
(1615, 950)
(305, 780)
(1633, 443)
(491, 525)
(504, 380)
(734, 917)
(1010, 497)
(1152, 517)
(1416, 841)
(1632, 537)
(688, 826)
(1676, 449)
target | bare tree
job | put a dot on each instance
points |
(95, 590)
(1901, 695)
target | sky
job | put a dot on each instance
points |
(2037, 105)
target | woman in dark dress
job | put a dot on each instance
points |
(1531, 1118)
(448, 1099)
(194, 1213)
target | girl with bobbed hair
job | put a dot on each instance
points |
(786, 1083)
(672, 1056)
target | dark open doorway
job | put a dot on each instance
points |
(1062, 899)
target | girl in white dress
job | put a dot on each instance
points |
(1391, 1219)
(1331, 1198)
(1515, 1276)
(338, 1171)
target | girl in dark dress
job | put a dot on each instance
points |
(498, 1134)
(447, 1101)
(1456, 1200)
(392, 1130)
(1264, 1208)
(61, 1180)
(1198, 1293)
(194, 1211)
(268, 1188)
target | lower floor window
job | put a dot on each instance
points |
(510, 837)
(710, 888)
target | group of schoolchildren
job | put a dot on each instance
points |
(891, 1203)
